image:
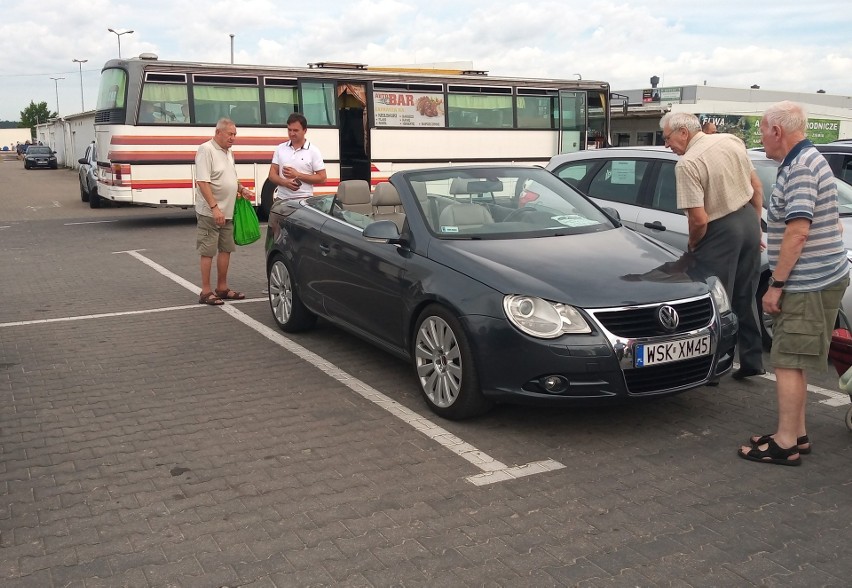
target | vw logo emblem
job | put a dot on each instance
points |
(668, 317)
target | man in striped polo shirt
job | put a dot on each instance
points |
(810, 273)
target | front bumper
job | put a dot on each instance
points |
(597, 368)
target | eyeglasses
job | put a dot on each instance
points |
(667, 137)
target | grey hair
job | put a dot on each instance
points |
(788, 115)
(224, 122)
(681, 120)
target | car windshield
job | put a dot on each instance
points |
(767, 171)
(501, 203)
(39, 151)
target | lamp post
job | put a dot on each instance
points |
(81, 62)
(118, 36)
(232, 48)
(56, 87)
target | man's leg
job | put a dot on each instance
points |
(206, 267)
(792, 396)
(223, 260)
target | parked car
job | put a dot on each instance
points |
(88, 175)
(499, 284)
(40, 156)
(839, 156)
(639, 182)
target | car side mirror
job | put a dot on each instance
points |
(82, 161)
(383, 231)
(612, 212)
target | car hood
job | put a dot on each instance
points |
(611, 268)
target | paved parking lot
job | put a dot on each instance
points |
(146, 440)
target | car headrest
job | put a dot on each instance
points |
(385, 194)
(353, 192)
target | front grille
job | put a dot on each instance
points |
(642, 322)
(659, 378)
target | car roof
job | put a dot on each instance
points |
(647, 151)
(841, 146)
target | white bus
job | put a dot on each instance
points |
(367, 122)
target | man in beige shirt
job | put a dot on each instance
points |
(216, 189)
(722, 197)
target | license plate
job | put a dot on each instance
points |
(659, 353)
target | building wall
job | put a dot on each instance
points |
(11, 137)
(68, 136)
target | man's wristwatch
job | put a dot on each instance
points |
(773, 283)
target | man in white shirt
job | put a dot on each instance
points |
(297, 165)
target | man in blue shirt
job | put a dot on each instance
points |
(810, 273)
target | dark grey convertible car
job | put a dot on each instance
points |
(500, 284)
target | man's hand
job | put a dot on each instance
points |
(772, 300)
(219, 217)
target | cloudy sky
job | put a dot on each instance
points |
(782, 45)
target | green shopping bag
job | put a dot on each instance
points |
(246, 225)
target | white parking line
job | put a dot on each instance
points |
(834, 398)
(91, 222)
(492, 470)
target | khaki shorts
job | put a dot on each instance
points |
(802, 332)
(211, 238)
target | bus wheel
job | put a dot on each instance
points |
(266, 196)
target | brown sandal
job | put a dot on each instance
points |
(210, 298)
(230, 295)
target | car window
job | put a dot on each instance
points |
(39, 151)
(619, 180)
(665, 190)
(575, 173)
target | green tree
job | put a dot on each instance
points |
(35, 114)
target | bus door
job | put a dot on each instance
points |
(354, 132)
(572, 120)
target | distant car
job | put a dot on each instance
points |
(88, 175)
(639, 182)
(40, 156)
(839, 156)
(498, 296)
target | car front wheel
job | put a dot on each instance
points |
(290, 314)
(445, 367)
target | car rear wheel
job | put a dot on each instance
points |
(84, 195)
(445, 367)
(94, 199)
(290, 314)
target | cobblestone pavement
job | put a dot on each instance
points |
(146, 440)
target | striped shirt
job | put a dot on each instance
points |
(806, 188)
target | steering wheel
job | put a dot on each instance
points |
(519, 214)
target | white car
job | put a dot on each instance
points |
(639, 182)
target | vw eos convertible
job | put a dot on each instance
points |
(499, 284)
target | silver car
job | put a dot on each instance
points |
(639, 182)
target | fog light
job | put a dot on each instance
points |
(553, 384)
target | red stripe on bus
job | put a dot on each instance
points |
(187, 140)
(183, 156)
(164, 184)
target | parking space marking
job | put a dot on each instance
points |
(91, 222)
(834, 398)
(492, 470)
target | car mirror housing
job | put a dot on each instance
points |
(383, 231)
(82, 161)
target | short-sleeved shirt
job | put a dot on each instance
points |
(715, 172)
(215, 165)
(806, 188)
(307, 160)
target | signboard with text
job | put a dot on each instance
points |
(408, 109)
(747, 128)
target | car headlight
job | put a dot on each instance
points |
(543, 319)
(720, 297)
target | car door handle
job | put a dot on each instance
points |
(325, 248)
(656, 225)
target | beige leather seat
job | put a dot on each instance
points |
(465, 216)
(386, 204)
(354, 195)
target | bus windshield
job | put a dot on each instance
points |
(113, 89)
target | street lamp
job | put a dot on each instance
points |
(81, 62)
(56, 87)
(118, 35)
(232, 48)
